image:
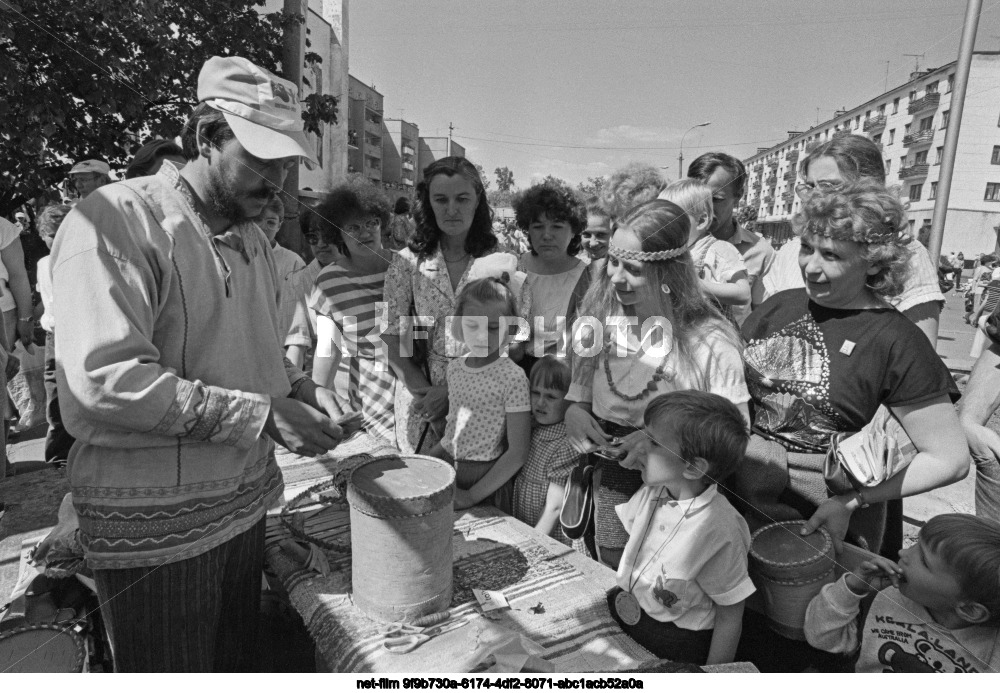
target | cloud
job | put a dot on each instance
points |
(661, 135)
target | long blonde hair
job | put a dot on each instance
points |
(659, 225)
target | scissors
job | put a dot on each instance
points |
(401, 638)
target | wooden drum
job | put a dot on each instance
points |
(401, 525)
(789, 570)
(42, 649)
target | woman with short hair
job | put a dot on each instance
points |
(822, 359)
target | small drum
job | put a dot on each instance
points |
(789, 570)
(42, 649)
(402, 517)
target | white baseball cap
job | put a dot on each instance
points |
(262, 109)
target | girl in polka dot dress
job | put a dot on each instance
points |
(489, 416)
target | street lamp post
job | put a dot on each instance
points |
(680, 158)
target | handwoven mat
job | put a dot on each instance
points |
(552, 603)
(301, 472)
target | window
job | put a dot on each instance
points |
(992, 192)
(892, 137)
(906, 129)
(944, 119)
(888, 166)
(940, 153)
(933, 194)
(951, 83)
(913, 96)
(915, 191)
(868, 114)
(881, 110)
(996, 155)
(857, 121)
(902, 163)
(895, 106)
(920, 157)
(847, 124)
(932, 88)
(927, 123)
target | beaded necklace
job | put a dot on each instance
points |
(659, 374)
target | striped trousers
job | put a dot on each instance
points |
(195, 615)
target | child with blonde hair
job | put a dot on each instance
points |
(718, 263)
(489, 414)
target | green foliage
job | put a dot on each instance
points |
(593, 186)
(96, 78)
(483, 177)
(505, 179)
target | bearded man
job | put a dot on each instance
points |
(172, 379)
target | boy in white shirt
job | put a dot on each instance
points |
(683, 580)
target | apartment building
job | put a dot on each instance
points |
(400, 140)
(434, 148)
(909, 124)
(364, 130)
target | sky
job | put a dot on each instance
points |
(577, 88)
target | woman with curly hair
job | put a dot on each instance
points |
(347, 301)
(553, 217)
(658, 333)
(823, 359)
(841, 160)
(453, 244)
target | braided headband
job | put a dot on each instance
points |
(620, 253)
(870, 235)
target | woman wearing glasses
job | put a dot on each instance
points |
(347, 301)
(846, 159)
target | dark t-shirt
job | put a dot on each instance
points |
(813, 371)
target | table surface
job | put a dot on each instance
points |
(557, 599)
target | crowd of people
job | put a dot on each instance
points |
(642, 330)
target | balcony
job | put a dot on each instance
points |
(788, 196)
(876, 123)
(920, 137)
(792, 156)
(407, 181)
(768, 199)
(772, 180)
(789, 175)
(758, 167)
(373, 128)
(373, 173)
(926, 103)
(914, 171)
(407, 149)
(352, 138)
(773, 163)
(755, 185)
(407, 166)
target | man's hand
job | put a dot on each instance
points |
(300, 428)
(350, 422)
(835, 516)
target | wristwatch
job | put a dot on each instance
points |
(859, 495)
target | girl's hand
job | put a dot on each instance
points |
(582, 431)
(834, 515)
(874, 575)
(430, 402)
